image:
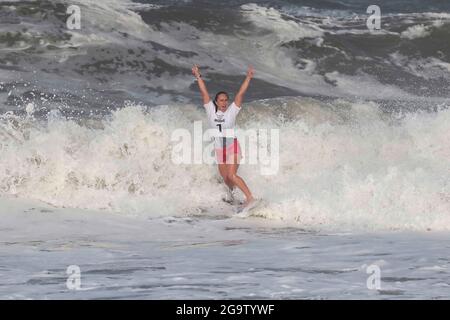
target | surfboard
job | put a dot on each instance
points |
(212, 212)
(226, 210)
(244, 211)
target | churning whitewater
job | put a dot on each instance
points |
(342, 165)
(363, 118)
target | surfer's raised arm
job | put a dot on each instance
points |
(240, 95)
(201, 84)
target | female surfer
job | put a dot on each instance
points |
(222, 116)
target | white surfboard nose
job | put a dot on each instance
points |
(243, 211)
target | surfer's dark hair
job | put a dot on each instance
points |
(219, 93)
(217, 96)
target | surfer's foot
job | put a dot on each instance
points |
(249, 201)
(249, 204)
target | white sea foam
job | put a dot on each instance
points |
(428, 68)
(417, 31)
(341, 165)
(286, 28)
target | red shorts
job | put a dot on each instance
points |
(226, 154)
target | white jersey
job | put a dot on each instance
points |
(224, 122)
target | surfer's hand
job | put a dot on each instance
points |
(196, 71)
(250, 72)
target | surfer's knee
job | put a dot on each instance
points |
(232, 177)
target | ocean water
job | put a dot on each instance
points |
(86, 171)
(209, 258)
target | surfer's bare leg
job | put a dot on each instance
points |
(223, 169)
(238, 181)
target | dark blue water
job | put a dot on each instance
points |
(319, 49)
(357, 6)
